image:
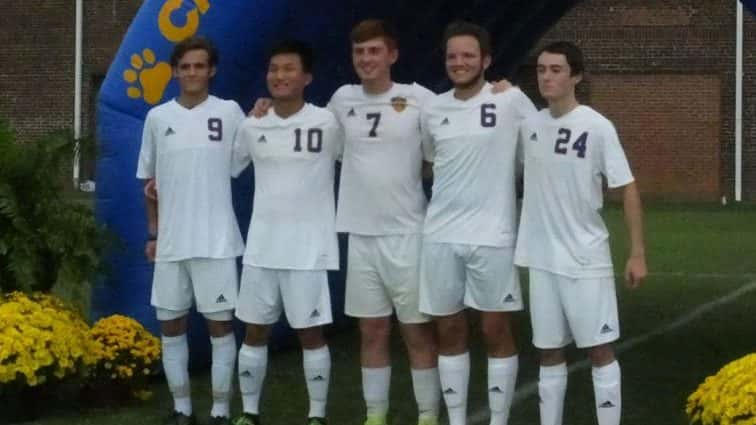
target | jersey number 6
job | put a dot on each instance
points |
(487, 118)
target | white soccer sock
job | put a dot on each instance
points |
(502, 378)
(253, 364)
(454, 372)
(375, 388)
(606, 386)
(176, 369)
(317, 370)
(552, 386)
(222, 372)
(427, 388)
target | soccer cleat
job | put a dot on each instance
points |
(178, 418)
(247, 419)
(219, 420)
(427, 420)
(375, 420)
(316, 421)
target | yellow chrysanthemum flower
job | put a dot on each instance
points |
(727, 398)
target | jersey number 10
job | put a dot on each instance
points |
(314, 140)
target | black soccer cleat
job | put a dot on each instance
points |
(219, 420)
(178, 418)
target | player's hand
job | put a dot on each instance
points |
(501, 86)
(149, 250)
(150, 190)
(261, 107)
(635, 271)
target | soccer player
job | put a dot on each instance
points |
(568, 147)
(194, 238)
(469, 232)
(382, 206)
(291, 242)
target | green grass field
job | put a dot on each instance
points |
(696, 255)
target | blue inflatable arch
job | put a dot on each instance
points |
(140, 78)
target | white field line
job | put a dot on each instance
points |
(531, 388)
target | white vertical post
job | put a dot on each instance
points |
(739, 103)
(77, 91)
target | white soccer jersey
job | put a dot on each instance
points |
(381, 189)
(473, 146)
(561, 230)
(188, 152)
(293, 215)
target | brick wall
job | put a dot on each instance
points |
(668, 47)
(664, 70)
(749, 107)
(37, 75)
(672, 138)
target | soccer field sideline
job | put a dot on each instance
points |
(531, 388)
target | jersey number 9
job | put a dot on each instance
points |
(215, 127)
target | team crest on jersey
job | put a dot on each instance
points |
(399, 103)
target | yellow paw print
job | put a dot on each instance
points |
(149, 78)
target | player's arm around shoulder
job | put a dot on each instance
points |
(426, 133)
(241, 153)
(334, 134)
(518, 102)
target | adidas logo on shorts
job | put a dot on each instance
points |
(315, 313)
(169, 132)
(262, 139)
(606, 329)
(351, 113)
(318, 378)
(607, 404)
(509, 298)
(534, 137)
(496, 390)
(220, 299)
(246, 374)
(450, 391)
(445, 121)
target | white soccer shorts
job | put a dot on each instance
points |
(211, 282)
(302, 294)
(564, 309)
(453, 276)
(383, 275)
